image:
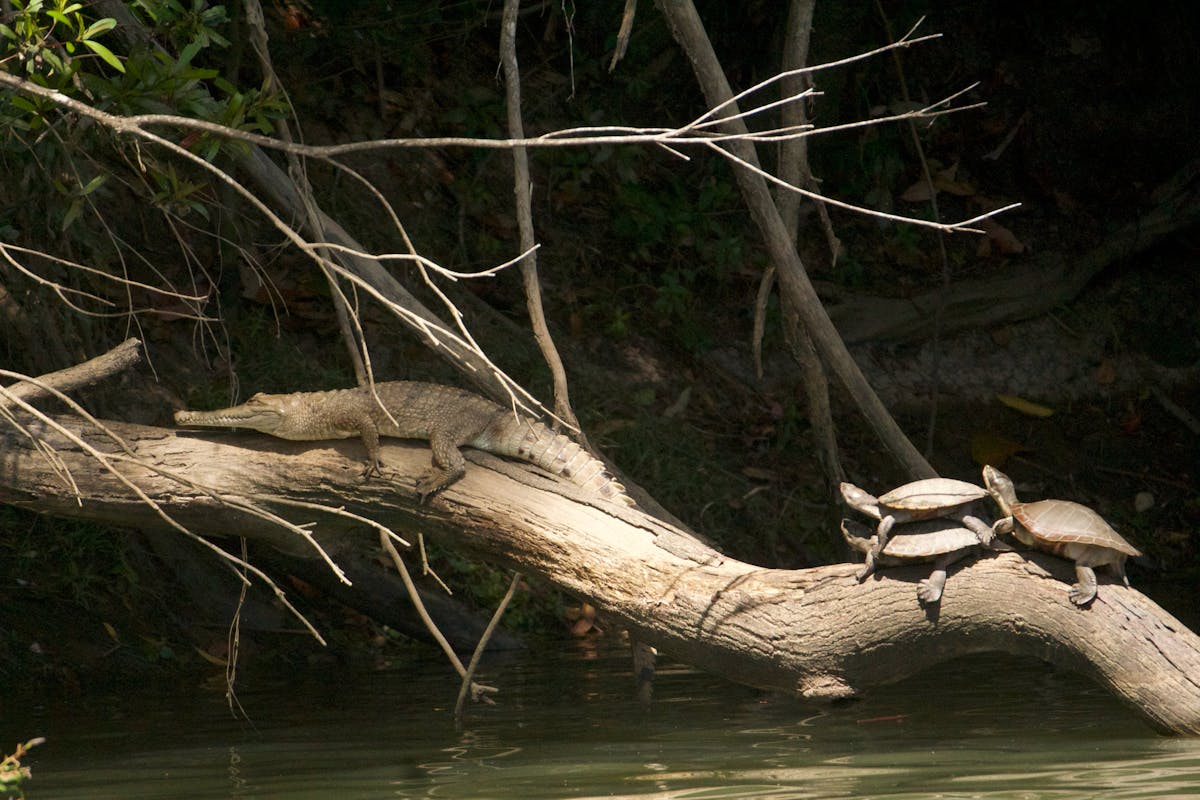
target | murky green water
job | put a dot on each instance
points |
(567, 727)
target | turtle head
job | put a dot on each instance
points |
(857, 535)
(860, 500)
(1001, 488)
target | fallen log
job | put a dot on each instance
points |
(814, 632)
(1025, 290)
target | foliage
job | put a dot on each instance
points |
(535, 608)
(90, 168)
(681, 244)
(43, 38)
(12, 774)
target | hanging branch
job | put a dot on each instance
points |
(468, 682)
(356, 346)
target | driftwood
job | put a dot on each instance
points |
(813, 632)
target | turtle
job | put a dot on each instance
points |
(941, 541)
(930, 498)
(1062, 528)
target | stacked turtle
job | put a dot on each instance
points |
(933, 520)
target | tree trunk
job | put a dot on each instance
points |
(816, 632)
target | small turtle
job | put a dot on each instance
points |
(941, 541)
(1065, 529)
(925, 499)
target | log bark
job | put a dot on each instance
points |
(814, 632)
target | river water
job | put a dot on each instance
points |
(567, 726)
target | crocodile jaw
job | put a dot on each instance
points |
(254, 414)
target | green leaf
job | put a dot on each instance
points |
(7, 32)
(72, 213)
(59, 17)
(98, 27)
(53, 60)
(104, 53)
(187, 54)
(92, 185)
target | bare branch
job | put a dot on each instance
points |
(120, 358)
(524, 209)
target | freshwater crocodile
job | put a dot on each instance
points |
(445, 416)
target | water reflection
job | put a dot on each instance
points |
(569, 728)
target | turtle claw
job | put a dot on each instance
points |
(928, 592)
(1081, 595)
(1084, 591)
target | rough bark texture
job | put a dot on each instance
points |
(814, 632)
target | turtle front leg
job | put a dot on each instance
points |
(881, 537)
(868, 567)
(1084, 591)
(981, 529)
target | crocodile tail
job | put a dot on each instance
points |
(533, 442)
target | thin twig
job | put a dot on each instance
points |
(479, 692)
(939, 309)
(468, 679)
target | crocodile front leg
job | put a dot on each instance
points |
(447, 464)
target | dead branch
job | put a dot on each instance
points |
(524, 211)
(120, 358)
(794, 169)
(689, 31)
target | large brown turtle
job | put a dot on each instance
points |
(941, 541)
(1065, 529)
(925, 499)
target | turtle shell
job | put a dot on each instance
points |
(916, 541)
(917, 546)
(1064, 522)
(932, 495)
